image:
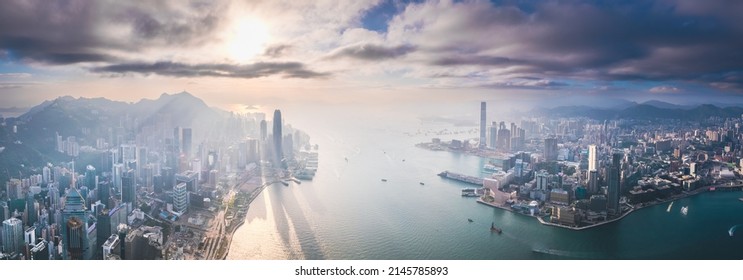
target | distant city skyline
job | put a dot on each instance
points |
(238, 55)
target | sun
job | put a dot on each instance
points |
(246, 38)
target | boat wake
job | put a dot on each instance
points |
(564, 253)
(732, 230)
(669, 207)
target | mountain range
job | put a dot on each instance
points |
(34, 143)
(649, 110)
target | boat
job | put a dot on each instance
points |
(285, 183)
(470, 220)
(495, 229)
(669, 207)
(685, 210)
(384, 180)
(741, 199)
(489, 168)
(422, 183)
(469, 192)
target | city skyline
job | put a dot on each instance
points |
(240, 55)
(371, 130)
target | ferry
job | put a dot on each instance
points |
(495, 229)
(469, 192)
(489, 168)
(304, 175)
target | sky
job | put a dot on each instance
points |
(237, 54)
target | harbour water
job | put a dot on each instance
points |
(348, 212)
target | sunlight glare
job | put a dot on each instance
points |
(246, 38)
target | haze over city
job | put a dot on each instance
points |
(371, 130)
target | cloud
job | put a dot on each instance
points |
(15, 75)
(526, 84)
(372, 52)
(61, 32)
(15, 85)
(609, 41)
(275, 51)
(247, 71)
(663, 89)
(656, 42)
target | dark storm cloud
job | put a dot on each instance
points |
(74, 31)
(248, 71)
(474, 60)
(372, 51)
(639, 40)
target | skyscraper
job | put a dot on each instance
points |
(104, 192)
(180, 198)
(186, 142)
(504, 138)
(74, 227)
(128, 187)
(177, 140)
(493, 135)
(592, 158)
(90, 177)
(277, 137)
(593, 181)
(75, 237)
(103, 230)
(32, 214)
(612, 204)
(13, 236)
(482, 125)
(592, 169)
(264, 130)
(118, 171)
(550, 149)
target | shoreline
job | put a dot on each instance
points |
(237, 226)
(632, 209)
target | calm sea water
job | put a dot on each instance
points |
(347, 212)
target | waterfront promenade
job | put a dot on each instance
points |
(633, 208)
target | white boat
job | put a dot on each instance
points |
(685, 210)
(669, 207)
(469, 192)
(489, 168)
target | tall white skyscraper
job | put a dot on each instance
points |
(592, 158)
(482, 126)
(592, 169)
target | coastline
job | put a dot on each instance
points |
(633, 208)
(234, 228)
